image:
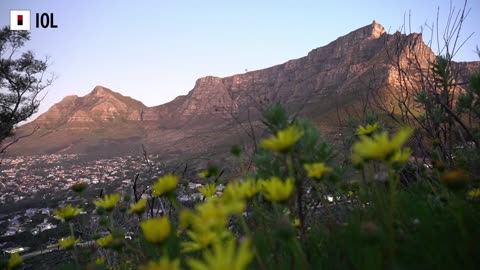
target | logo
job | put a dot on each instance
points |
(19, 19)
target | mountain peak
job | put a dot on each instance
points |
(367, 32)
(329, 78)
(69, 98)
(99, 106)
(101, 91)
(376, 29)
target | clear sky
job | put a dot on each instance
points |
(154, 51)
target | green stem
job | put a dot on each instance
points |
(176, 205)
(363, 185)
(278, 212)
(70, 225)
(392, 185)
(243, 169)
(110, 221)
(291, 171)
(74, 249)
(299, 186)
(299, 249)
(258, 209)
(250, 235)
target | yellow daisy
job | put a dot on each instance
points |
(138, 207)
(283, 140)
(366, 130)
(276, 190)
(15, 261)
(108, 202)
(165, 184)
(156, 230)
(67, 213)
(316, 170)
(224, 255)
(208, 190)
(68, 242)
(104, 242)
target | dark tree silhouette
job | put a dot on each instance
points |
(22, 81)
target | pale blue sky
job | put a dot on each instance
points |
(154, 51)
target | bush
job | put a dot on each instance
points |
(296, 209)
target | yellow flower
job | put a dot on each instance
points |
(224, 255)
(474, 193)
(276, 190)
(204, 174)
(356, 160)
(379, 146)
(236, 190)
(185, 219)
(100, 261)
(203, 239)
(210, 215)
(108, 202)
(138, 208)
(156, 230)
(68, 242)
(366, 130)
(283, 140)
(209, 172)
(249, 188)
(14, 261)
(316, 170)
(104, 242)
(401, 137)
(67, 213)
(213, 214)
(163, 264)
(165, 184)
(296, 222)
(208, 190)
(401, 156)
(232, 192)
(208, 222)
(236, 207)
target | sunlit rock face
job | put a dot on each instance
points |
(100, 105)
(328, 79)
(325, 70)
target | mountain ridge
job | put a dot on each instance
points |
(313, 85)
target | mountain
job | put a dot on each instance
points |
(329, 79)
(100, 106)
(79, 124)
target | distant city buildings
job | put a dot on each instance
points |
(25, 176)
(28, 183)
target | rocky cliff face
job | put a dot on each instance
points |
(100, 106)
(326, 70)
(337, 74)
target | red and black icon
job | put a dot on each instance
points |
(19, 19)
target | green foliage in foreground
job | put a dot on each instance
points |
(296, 209)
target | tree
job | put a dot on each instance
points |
(21, 82)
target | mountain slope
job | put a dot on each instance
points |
(80, 124)
(100, 106)
(329, 78)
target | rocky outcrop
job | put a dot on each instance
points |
(328, 70)
(98, 107)
(330, 76)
